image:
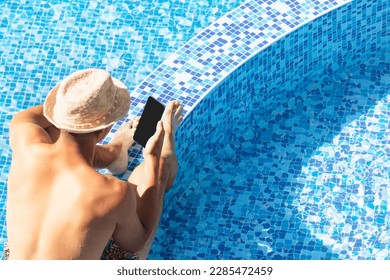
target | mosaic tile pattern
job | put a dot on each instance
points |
(203, 62)
(192, 71)
(291, 150)
(42, 41)
(188, 75)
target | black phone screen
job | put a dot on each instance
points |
(152, 113)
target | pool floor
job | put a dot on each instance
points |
(304, 175)
(43, 41)
(304, 178)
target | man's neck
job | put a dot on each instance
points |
(82, 143)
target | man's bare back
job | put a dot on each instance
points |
(60, 207)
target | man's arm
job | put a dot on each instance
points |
(149, 196)
(32, 126)
(106, 154)
(114, 156)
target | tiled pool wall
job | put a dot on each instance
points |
(42, 41)
(64, 45)
(202, 63)
(331, 45)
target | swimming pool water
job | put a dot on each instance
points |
(305, 179)
(41, 42)
(265, 187)
(292, 161)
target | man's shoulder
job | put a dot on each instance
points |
(115, 186)
(27, 134)
(108, 191)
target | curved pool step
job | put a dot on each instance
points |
(190, 73)
(203, 62)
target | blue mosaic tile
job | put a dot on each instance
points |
(193, 74)
(41, 42)
(202, 63)
(290, 151)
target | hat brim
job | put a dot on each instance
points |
(119, 110)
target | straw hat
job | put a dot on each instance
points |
(87, 101)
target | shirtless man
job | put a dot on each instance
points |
(58, 205)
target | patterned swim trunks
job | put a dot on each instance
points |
(6, 251)
(111, 252)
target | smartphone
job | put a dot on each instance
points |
(152, 113)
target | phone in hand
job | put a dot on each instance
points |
(152, 113)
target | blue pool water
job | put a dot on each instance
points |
(291, 151)
(286, 157)
(41, 42)
(303, 178)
